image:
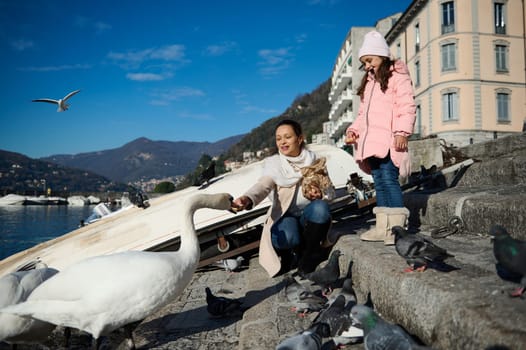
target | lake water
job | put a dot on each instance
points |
(22, 227)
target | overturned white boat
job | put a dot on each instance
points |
(157, 227)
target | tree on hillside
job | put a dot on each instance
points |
(164, 187)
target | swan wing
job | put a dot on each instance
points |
(58, 312)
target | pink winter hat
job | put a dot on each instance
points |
(374, 44)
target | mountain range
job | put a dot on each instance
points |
(144, 159)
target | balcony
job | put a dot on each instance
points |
(339, 126)
(343, 101)
(340, 83)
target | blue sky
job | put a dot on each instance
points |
(166, 70)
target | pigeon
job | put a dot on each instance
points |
(327, 275)
(206, 175)
(310, 339)
(418, 251)
(301, 298)
(347, 291)
(219, 307)
(336, 317)
(62, 105)
(510, 254)
(230, 265)
(340, 326)
(380, 334)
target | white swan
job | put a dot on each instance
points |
(15, 288)
(103, 293)
(62, 105)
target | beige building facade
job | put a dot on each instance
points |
(467, 60)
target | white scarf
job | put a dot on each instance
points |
(285, 170)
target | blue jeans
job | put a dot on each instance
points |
(385, 176)
(286, 232)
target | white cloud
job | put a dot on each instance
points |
(22, 44)
(241, 100)
(168, 53)
(86, 22)
(220, 49)
(147, 76)
(301, 38)
(165, 97)
(133, 59)
(101, 27)
(55, 68)
(275, 61)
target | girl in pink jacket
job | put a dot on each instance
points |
(385, 120)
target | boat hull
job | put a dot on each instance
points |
(156, 227)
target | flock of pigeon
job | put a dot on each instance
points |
(103, 293)
(340, 319)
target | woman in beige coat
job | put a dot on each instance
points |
(297, 222)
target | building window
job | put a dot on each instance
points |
(418, 122)
(501, 58)
(417, 73)
(503, 107)
(500, 20)
(417, 38)
(450, 105)
(449, 57)
(448, 17)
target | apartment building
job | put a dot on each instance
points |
(467, 60)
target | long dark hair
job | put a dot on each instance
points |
(382, 76)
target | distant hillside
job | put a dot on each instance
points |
(144, 159)
(310, 110)
(23, 175)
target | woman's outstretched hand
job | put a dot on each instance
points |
(241, 203)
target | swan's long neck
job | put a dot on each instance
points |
(189, 241)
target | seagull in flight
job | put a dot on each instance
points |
(62, 105)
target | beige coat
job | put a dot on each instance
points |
(281, 201)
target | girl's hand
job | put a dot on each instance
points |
(400, 143)
(350, 137)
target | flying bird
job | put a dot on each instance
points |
(230, 265)
(418, 251)
(221, 306)
(511, 254)
(62, 105)
(101, 294)
(327, 275)
(15, 288)
(380, 334)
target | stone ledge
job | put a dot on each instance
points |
(463, 309)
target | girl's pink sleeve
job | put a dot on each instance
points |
(405, 107)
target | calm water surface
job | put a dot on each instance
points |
(24, 226)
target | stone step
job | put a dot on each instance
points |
(467, 308)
